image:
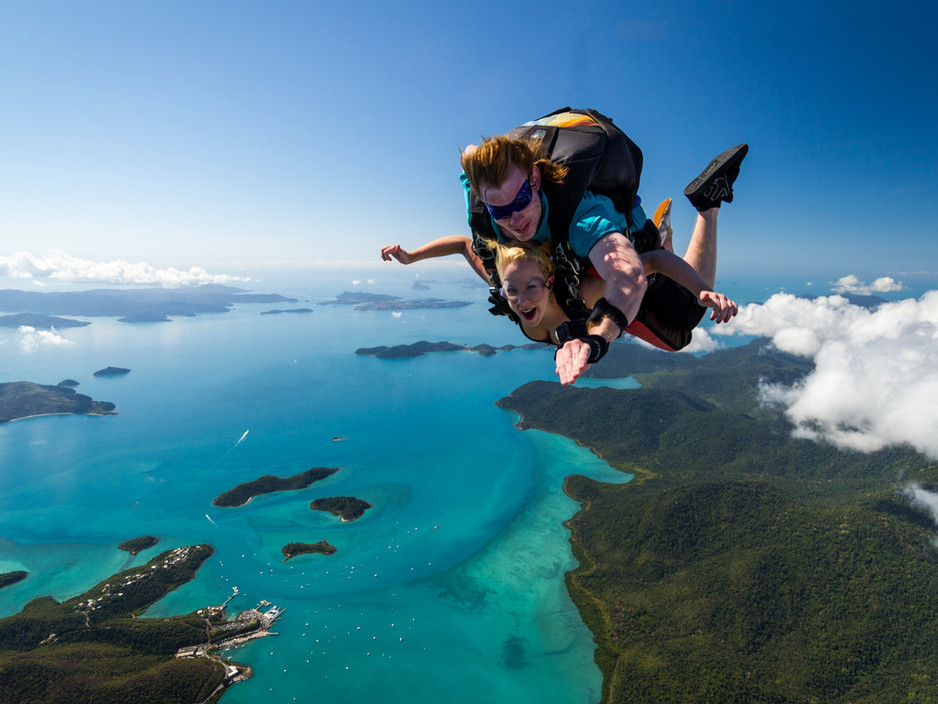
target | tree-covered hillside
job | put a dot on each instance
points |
(742, 565)
(95, 649)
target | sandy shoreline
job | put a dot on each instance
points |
(60, 413)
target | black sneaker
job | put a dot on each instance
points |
(715, 183)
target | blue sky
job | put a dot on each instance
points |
(208, 133)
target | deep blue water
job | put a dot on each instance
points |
(449, 589)
(456, 574)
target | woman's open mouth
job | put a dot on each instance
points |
(528, 314)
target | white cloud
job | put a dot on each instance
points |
(923, 499)
(851, 284)
(701, 342)
(876, 372)
(32, 339)
(61, 266)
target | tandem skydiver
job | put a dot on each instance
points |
(506, 173)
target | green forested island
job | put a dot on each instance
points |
(96, 647)
(8, 578)
(348, 508)
(112, 371)
(293, 549)
(741, 565)
(379, 301)
(23, 399)
(279, 311)
(267, 484)
(132, 305)
(137, 545)
(423, 347)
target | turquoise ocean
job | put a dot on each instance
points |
(450, 589)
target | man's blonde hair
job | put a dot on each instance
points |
(490, 162)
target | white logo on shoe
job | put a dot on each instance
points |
(719, 189)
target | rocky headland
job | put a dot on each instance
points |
(25, 399)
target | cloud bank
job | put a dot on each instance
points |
(876, 372)
(851, 284)
(61, 266)
(32, 339)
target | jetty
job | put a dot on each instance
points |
(245, 627)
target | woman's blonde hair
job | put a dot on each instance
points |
(490, 162)
(506, 254)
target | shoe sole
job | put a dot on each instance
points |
(729, 158)
(661, 218)
(663, 209)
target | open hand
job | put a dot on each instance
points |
(723, 307)
(572, 360)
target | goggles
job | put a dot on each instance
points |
(531, 289)
(501, 212)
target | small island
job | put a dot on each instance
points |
(294, 549)
(8, 578)
(146, 317)
(138, 545)
(25, 399)
(287, 310)
(111, 371)
(349, 298)
(68, 382)
(268, 484)
(348, 508)
(380, 301)
(412, 305)
(423, 347)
